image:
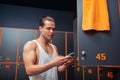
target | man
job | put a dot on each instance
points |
(40, 56)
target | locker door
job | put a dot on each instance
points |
(104, 43)
(8, 47)
(25, 35)
(69, 49)
(59, 41)
(109, 73)
(78, 73)
(90, 73)
(7, 71)
(22, 73)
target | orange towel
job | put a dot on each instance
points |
(0, 36)
(119, 7)
(95, 15)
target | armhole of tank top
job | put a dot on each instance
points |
(54, 49)
(36, 42)
(38, 50)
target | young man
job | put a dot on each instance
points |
(40, 57)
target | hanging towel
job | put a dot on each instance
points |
(95, 15)
(0, 36)
(119, 7)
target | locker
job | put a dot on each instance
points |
(99, 43)
(70, 73)
(78, 73)
(59, 41)
(109, 73)
(61, 76)
(9, 44)
(7, 71)
(25, 35)
(69, 42)
(69, 49)
(21, 73)
(90, 73)
(37, 33)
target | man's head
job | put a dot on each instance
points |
(47, 27)
(43, 19)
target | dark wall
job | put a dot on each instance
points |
(27, 17)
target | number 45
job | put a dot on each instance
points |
(101, 56)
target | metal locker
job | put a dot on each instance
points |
(109, 73)
(59, 41)
(90, 73)
(8, 47)
(25, 35)
(7, 71)
(21, 75)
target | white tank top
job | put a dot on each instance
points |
(50, 74)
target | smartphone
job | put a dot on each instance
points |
(71, 54)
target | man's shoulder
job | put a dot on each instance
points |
(53, 45)
(30, 43)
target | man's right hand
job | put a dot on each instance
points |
(60, 60)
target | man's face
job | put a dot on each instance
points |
(48, 29)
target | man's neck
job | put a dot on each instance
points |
(43, 41)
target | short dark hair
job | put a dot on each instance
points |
(43, 19)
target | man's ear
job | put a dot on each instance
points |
(40, 28)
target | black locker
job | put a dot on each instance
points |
(102, 43)
(59, 41)
(99, 48)
(90, 73)
(21, 73)
(69, 41)
(109, 73)
(78, 73)
(7, 71)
